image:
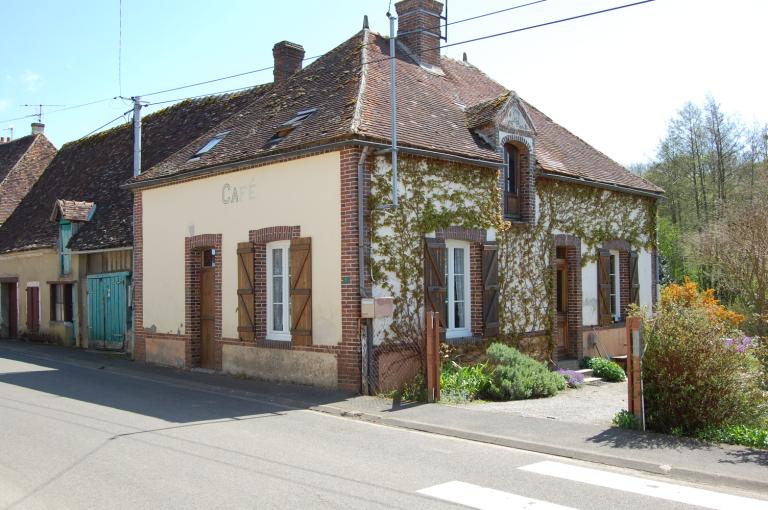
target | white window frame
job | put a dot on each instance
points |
(451, 331)
(616, 284)
(283, 336)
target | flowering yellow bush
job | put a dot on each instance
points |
(689, 295)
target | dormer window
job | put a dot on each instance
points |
(512, 200)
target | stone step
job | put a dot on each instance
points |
(568, 364)
(593, 380)
(586, 372)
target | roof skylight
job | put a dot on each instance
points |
(213, 142)
(285, 129)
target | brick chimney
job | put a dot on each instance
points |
(288, 60)
(2, 139)
(418, 28)
(38, 128)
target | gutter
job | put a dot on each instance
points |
(105, 250)
(602, 185)
(229, 167)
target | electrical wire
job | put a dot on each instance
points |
(121, 116)
(61, 109)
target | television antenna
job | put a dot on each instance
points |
(40, 107)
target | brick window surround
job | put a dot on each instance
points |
(476, 238)
(260, 238)
(193, 249)
(572, 245)
(527, 177)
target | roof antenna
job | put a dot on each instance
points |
(40, 107)
(365, 22)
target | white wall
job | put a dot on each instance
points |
(304, 192)
(645, 273)
(588, 292)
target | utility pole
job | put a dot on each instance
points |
(393, 102)
(136, 135)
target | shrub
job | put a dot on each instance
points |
(736, 434)
(606, 369)
(626, 420)
(584, 362)
(572, 378)
(463, 383)
(698, 373)
(516, 376)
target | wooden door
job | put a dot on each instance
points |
(207, 316)
(33, 309)
(10, 309)
(561, 316)
(108, 310)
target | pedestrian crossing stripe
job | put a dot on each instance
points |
(483, 498)
(646, 487)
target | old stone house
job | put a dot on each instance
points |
(259, 243)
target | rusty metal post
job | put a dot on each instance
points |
(436, 333)
(430, 320)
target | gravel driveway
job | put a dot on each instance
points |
(592, 403)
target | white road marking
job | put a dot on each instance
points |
(474, 496)
(646, 487)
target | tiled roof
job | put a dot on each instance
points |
(436, 111)
(73, 210)
(561, 152)
(329, 85)
(92, 169)
(11, 152)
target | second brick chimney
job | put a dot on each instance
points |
(288, 60)
(418, 28)
(38, 128)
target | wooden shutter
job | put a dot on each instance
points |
(301, 291)
(634, 279)
(604, 287)
(490, 290)
(245, 291)
(435, 290)
(33, 308)
(69, 308)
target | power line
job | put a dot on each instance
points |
(60, 109)
(436, 48)
(121, 116)
(120, 50)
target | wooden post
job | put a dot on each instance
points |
(433, 356)
(634, 369)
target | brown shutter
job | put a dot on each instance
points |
(490, 290)
(604, 287)
(301, 291)
(245, 291)
(634, 279)
(435, 290)
(30, 309)
(35, 308)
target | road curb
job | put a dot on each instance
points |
(677, 473)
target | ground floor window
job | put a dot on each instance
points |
(613, 269)
(278, 291)
(61, 302)
(457, 279)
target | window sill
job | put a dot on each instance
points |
(60, 323)
(278, 338)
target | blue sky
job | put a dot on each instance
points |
(613, 79)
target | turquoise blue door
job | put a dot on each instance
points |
(107, 310)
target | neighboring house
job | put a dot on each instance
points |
(22, 161)
(66, 251)
(256, 241)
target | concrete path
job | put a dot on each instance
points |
(592, 404)
(167, 397)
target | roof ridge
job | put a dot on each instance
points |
(358, 115)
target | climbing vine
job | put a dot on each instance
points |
(435, 195)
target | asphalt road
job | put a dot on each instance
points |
(77, 437)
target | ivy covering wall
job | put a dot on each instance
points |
(434, 195)
(593, 215)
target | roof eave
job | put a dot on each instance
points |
(602, 185)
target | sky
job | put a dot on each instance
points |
(613, 79)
